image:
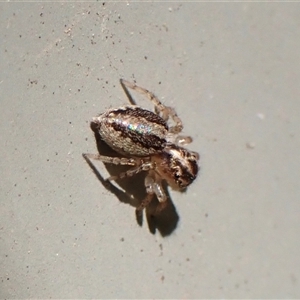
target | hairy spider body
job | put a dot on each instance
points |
(147, 143)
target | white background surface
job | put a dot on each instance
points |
(232, 72)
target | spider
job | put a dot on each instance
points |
(146, 142)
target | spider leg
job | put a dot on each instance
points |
(164, 111)
(107, 184)
(153, 186)
(133, 171)
(112, 160)
(149, 183)
(144, 203)
(158, 189)
(170, 112)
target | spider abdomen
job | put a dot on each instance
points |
(132, 131)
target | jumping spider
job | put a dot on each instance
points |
(147, 143)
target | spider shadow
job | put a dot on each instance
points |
(165, 221)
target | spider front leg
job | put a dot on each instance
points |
(157, 187)
(164, 111)
(153, 186)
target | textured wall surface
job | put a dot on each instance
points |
(231, 70)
